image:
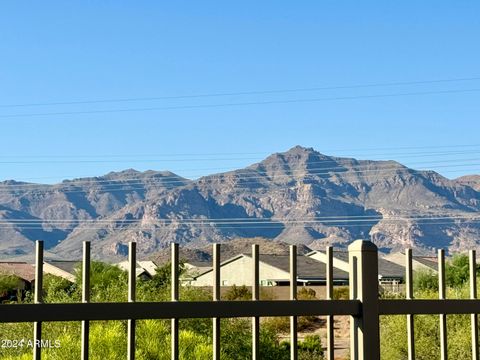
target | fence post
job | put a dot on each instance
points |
(132, 283)
(38, 299)
(364, 330)
(85, 299)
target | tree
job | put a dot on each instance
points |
(457, 270)
(8, 283)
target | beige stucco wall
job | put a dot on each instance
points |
(240, 272)
(399, 258)
(322, 257)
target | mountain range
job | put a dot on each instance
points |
(300, 197)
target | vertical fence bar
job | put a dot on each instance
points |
(473, 295)
(293, 296)
(364, 329)
(409, 296)
(38, 298)
(132, 277)
(175, 297)
(330, 324)
(216, 297)
(441, 296)
(85, 297)
(255, 297)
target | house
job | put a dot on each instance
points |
(273, 270)
(25, 272)
(144, 269)
(26, 279)
(427, 263)
(388, 271)
(194, 268)
(149, 266)
(62, 268)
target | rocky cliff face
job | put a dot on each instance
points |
(470, 180)
(300, 196)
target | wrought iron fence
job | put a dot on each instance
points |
(364, 306)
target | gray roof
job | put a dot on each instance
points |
(199, 263)
(430, 262)
(385, 268)
(390, 269)
(68, 266)
(306, 267)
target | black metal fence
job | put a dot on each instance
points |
(364, 306)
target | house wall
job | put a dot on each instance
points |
(399, 258)
(240, 272)
(339, 264)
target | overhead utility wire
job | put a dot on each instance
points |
(237, 221)
(240, 173)
(243, 182)
(249, 103)
(272, 225)
(227, 176)
(244, 185)
(96, 178)
(169, 155)
(144, 160)
(241, 93)
(319, 219)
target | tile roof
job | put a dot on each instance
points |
(22, 270)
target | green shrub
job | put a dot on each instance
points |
(108, 339)
(308, 349)
(238, 293)
(306, 293)
(8, 283)
(457, 271)
(341, 293)
(281, 324)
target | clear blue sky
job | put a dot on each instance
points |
(59, 51)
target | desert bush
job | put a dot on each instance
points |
(238, 293)
(281, 324)
(341, 293)
(108, 339)
(309, 349)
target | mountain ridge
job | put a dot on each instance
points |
(299, 196)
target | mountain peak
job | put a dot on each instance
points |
(298, 196)
(301, 150)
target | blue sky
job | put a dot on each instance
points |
(57, 51)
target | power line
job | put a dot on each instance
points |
(316, 219)
(241, 93)
(101, 178)
(253, 175)
(272, 225)
(144, 160)
(250, 103)
(244, 180)
(144, 178)
(244, 183)
(196, 154)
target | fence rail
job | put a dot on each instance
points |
(364, 306)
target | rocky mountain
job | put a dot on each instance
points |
(470, 180)
(300, 196)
